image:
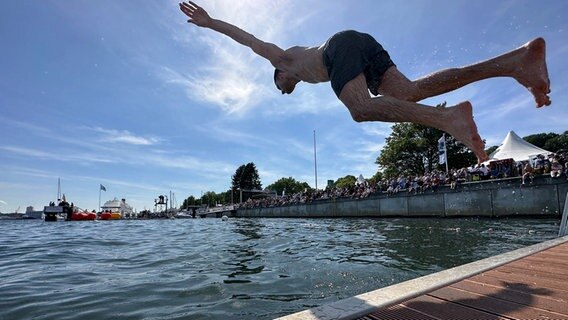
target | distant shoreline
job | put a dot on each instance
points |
(545, 196)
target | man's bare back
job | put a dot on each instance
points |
(305, 63)
(398, 94)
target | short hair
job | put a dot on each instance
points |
(276, 72)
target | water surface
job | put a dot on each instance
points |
(235, 269)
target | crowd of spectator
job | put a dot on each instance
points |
(357, 191)
(555, 165)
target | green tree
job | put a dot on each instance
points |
(412, 149)
(345, 182)
(491, 149)
(558, 143)
(210, 198)
(375, 178)
(225, 197)
(459, 156)
(540, 139)
(245, 178)
(289, 184)
(190, 201)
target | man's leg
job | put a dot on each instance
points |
(457, 120)
(526, 64)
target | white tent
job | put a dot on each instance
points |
(515, 147)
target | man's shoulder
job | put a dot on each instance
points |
(300, 50)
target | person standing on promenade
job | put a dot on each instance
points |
(356, 63)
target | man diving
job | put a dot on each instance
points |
(355, 63)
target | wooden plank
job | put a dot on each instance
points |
(516, 292)
(555, 261)
(534, 287)
(508, 269)
(555, 293)
(495, 305)
(560, 247)
(444, 309)
(555, 251)
(398, 312)
(532, 278)
(542, 267)
(553, 254)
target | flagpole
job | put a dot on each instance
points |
(443, 152)
(446, 153)
(99, 199)
(315, 161)
(447, 171)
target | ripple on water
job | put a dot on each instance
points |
(237, 269)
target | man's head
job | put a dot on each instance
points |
(284, 82)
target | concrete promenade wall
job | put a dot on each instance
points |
(494, 198)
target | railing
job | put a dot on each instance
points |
(221, 209)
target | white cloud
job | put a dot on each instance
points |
(193, 164)
(222, 131)
(233, 78)
(300, 149)
(314, 100)
(40, 154)
(22, 171)
(124, 136)
(377, 129)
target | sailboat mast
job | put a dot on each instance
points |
(58, 189)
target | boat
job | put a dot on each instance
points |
(83, 215)
(67, 212)
(116, 209)
(63, 210)
(187, 214)
(108, 215)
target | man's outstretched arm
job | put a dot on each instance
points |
(201, 18)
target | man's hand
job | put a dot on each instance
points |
(197, 15)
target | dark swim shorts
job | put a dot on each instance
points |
(348, 53)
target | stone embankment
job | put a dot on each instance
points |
(494, 198)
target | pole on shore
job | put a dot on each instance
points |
(443, 152)
(315, 161)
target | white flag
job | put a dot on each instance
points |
(442, 149)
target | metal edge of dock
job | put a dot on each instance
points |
(366, 303)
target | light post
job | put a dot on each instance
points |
(240, 185)
(315, 162)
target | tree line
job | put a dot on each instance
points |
(410, 149)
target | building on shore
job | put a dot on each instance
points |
(33, 214)
(119, 206)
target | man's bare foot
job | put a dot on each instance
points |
(462, 127)
(532, 71)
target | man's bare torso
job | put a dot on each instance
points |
(306, 64)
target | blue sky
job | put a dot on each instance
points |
(129, 95)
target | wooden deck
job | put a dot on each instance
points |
(534, 287)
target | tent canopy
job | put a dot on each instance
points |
(515, 147)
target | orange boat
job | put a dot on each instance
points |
(111, 215)
(78, 216)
